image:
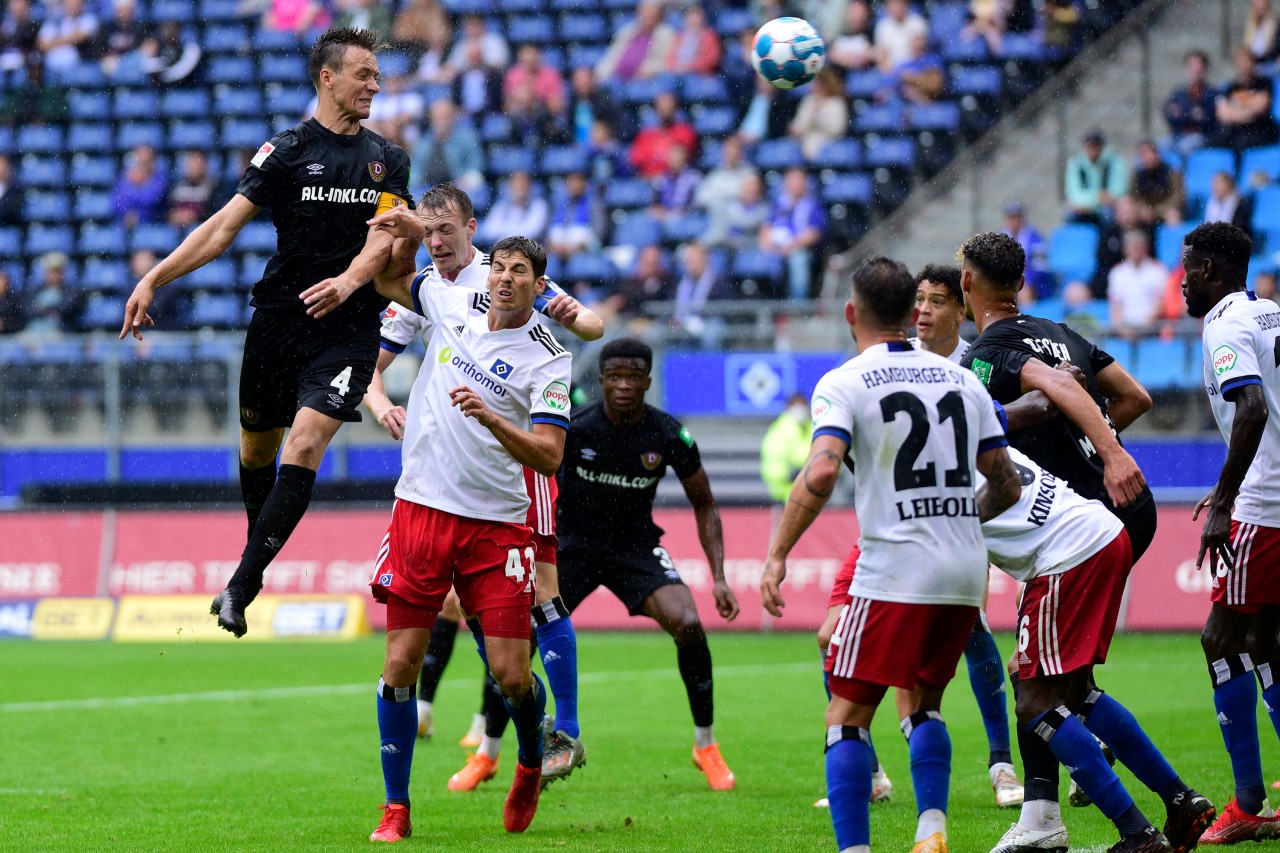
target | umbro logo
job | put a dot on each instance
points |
(457, 330)
(274, 543)
(588, 453)
(315, 168)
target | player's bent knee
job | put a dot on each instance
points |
(513, 681)
(688, 629)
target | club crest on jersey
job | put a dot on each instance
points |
(377, 171)
(385, 579)
(249, 416)
(500, 369)
(556, 396)
(1224, 358)
(650, 460)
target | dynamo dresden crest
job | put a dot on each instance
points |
(377, 171)
(650, 460)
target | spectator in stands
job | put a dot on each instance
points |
(1078, 304)
(674, 188)
(985, 19)
(19, 38)
(640, 49)
(894, 32)
(1226, 204)
(68, 34)
(414, 24)
(123, 36)
(396, 110)
(11, 313)
(1060, 21)
(1264, 285)
(605, 154)
(586, 105)
(190, 195)
(852, 49)
(1191, 112)
(1244, 106)
(794, 230)
(739, 74)
(1260, 30)
(11, 195)
(1135, 288)
(767, 115)
(696, 46)
(295, 16)
(1095, 178)
(364, 15)
(1174, 309)
(699, 284)
(1039, 277)
(475, 32)
(448, 151)
(826, 16)
(142, 189)
(579, 222)
(51, 304)
(477, 87)
(823, 116)
(1157, 187)
(517, 211)
(171, 54)
(32, 102)
(434, 65)
(545, 82)
(721, 185)
(651, 147)
(1111, 241)
(648, 280)
(921, 79)
(535, 118)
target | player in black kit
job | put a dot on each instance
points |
(323, 180)
(616, 453)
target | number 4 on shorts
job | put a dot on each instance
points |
(515, 569)
(342, 381)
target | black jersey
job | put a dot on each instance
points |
(610, 477)
(322, 187)
(1059, 446)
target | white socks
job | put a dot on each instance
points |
(490, 746)
(1040, 815)
(931, 821)
(702, 736)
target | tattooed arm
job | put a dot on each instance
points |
(809, 494)
(1003, 486)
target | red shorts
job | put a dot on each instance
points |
(543, 493)
(1065, 621)
(427, 550)
(882, 644)
(840, 589)
(1245, 590)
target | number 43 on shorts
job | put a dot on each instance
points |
(520, 572)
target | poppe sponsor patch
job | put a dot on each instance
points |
(556, 396)
(1224, 359)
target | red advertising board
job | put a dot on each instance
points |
(45, 554)
(1166, 593)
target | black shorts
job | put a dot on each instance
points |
(293, 361)
(631, 576)
(1139, 520)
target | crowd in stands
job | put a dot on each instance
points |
(632, 136)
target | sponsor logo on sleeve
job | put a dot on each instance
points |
(982, 370)
(377, 170)
(1224, 359)
(821, 405)
(556, 396)
(263, 153)
(686, 436)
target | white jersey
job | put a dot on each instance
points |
(449, 461)
(915, 424)
(962, 346)
(1050, 530)
(1241, 348)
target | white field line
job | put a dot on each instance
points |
(350, 689)
(32, 792)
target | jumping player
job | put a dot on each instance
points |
(493, 397)
(323, 180)
(916, 426)
(616, 453)
(1242, 529)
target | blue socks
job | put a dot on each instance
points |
(930, 748)
(398, 728)
(526, 713)
(1115, 726)
(558, 646)
(849, 784)
(986, 677)
(1076, 749)
(1235, 696)
(1270, 694)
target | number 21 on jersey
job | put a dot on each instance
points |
(519, 572)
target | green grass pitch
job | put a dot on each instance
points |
(274, 746)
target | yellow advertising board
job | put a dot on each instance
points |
(72, 618)
(186, 618)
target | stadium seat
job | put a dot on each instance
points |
(197, 135)
(10, 242)
(512, 7)
(132, 104)
(778, 154)
(880, 118)
(282, 68)
(251, 270)
(1052, 309)
(946, 20)
(848, 188)
(637, 229)
(647, 90)
(763, 268)
(7, 138)
(216, 310)
(495, 127)
(965, 50)
(161, 239)
(704, 89)
(1121, 349)
(139, 133)
(232, 71)
(865, 85)
(101, 311)
(628, 193)
(588, 55)
(891, 152)
(46, 207)
(89, 137)
(842, 154)
(244, 134)
(236, 101)
(562, 159)
(1169, 242)
(44, 172)
(715, 121)
(40, 139)
(225, 39)
(220, 10)
(82, 75)
(86, 106)
(942, 116)
(586, 266)
(574, 5)
(93, 205)
(182, 11)
(731, 22)
(1022, 47)
(579, 27)
(46, 238)
(1266, 208)
(469, 7)
(289, 100)
(1162, 365)
(217, 275)
(256, 236)
(106, 275)
(505, 159)
(267, 40)
(983, 80)
(1265, 159)
(1202, 165)
(104, 240)
(531, 29)
(184, 103)
(1073, 252)
(682, 229)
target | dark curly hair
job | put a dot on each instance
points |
(1226, 245)
(996, 257)
(886, 288)
(531, 249)
(330, 48)
(627, 348)
(945, 275)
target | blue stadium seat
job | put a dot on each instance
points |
(1162, 365)
(1073, 252)
(198, 135)
(217, 310)
(1052, 309)
(6, 139)
(637, 229)
(394, 63)
(1096, 312)
(469, 7)
(135, 104)
(82, 75)
(891, 152)
(940, 116)
(236, 101)
(225, 39)
(495, 127)
(574, 5)
(965, 50)
(946, 20)
(646, 91)
(1169, 242)
(1265, 159)
(730, 22)
(755, 264)
(46, 207)
(562, 159)
(220, 10)
(101, 311)
(628, 193)
(105, 240)
(715, 121)
(1121, 349)
(105, 275)
(86, 106)
(1202, 165)
(161, 239)
(282, 68)
(778, 154)
(531, 29)
(1022, 47)
(44, 172)
(89, 137)
(244, 134)
(289, 100)
(511, 7)
(45, 238)
(862, 85)
(93, 205)
(579, 27)
(256, 236)
(185, 103)
(704, 89)
(587, 266)
(182, 11)
(848, 188)
(505, 159)
(1266, 208)
(980, 80)
(40, 139)
(267, 40)
(219, 274)
(252, 268)
(139, 133)
(841, 154)
(682, 229)
(232, 70)
(588, 55)
(10, 242)
(880, 118)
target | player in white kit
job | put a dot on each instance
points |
(494, 399)
(1241, 534)
(916, 426)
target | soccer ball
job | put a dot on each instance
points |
(788, 52)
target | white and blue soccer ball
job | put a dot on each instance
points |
(788, 52)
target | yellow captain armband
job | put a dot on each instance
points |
(386, 201)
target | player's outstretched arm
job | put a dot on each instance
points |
(1003, 486)
(377, 254)
(542, 449)
(585, 324)
(1121, 475)
(809, 494)
(1127, 400)
(391, 416)
(208, 241)
(711, 535)
(1247, 427)
(395, 280)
